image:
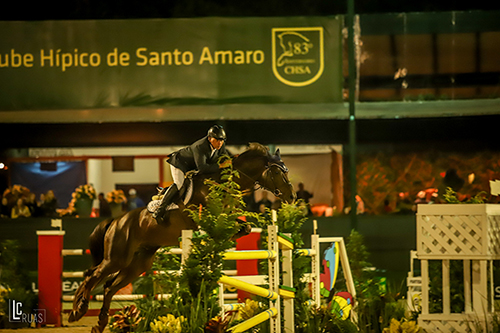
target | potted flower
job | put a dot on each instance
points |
(82, 200)
(116, 199)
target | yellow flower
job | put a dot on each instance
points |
(167, 324)
(404, 326)
(116, 196)
(86, 191)
(250, 309)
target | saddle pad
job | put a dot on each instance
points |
(154, 204)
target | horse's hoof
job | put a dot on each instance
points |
(96, 329)
(72, 317)
(82, 309)
(75, 316)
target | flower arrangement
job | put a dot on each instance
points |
(86, 191)
(82, 192)
(116, 196)
(15, 192)
(167, 324)
(126, 320)
(405, 326)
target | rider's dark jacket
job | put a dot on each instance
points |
(198, 156)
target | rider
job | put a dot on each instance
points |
(202, 156)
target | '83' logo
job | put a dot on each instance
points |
(298, 55)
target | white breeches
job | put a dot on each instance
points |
(177, 176)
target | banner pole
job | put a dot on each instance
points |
(352, 111)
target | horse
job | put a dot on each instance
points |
(123, 248)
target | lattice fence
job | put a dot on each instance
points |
(458, 231)
(446, 326)
(468, 232)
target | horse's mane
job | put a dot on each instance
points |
(255, 149)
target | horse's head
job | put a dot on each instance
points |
(258, 166)
(275, 178)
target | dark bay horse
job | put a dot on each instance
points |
(123, 248)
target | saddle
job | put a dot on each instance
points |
(186, 192)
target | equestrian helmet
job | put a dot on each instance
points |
(217, 132)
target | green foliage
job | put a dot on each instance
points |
(153, 284)
(358, 256)
(220, 220)
(14, 278)
(324, 321)
(150, 309)
(457, 301)
(451, 197)
(375, 307)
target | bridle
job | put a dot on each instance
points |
(267, 175)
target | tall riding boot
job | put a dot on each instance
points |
(167, 200)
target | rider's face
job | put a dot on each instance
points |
(217, 144)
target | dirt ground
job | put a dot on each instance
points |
(84, 325)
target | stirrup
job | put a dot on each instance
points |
(166, 200)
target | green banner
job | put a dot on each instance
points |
(121, 63)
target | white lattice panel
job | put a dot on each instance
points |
(455, 323)
(445, 326)
(458, 231)
(494, 233)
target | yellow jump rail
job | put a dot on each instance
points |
(286, 243)
(306, 252)
(256, 320)
(259, 291)
(250, 254)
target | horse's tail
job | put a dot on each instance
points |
(96, 240)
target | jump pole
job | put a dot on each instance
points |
(250, 255)
(273, 293)
(248, 287)
(255, 320)
(288, 303)
(315, 269)
(50, 266)
(274, 276)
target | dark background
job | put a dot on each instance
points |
(114, 9)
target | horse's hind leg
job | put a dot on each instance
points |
(142, 261)
(82, 295)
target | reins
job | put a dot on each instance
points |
(265, 175)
